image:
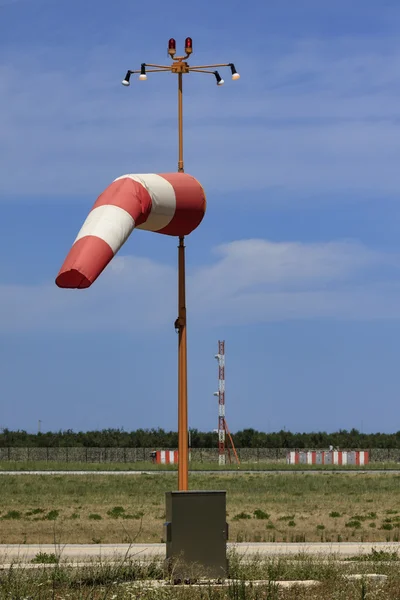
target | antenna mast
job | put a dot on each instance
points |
(223, 430)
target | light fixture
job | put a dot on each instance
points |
(235, 74)
(188, 45)
(171, 47)
(219, 79)
(126, 81)
(143, 75)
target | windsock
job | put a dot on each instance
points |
(169, 203)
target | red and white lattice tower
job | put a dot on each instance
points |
(221, 402)
(224, 435)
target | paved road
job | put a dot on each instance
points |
(238, 472)
(79, 552)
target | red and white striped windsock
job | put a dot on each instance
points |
(170, 203)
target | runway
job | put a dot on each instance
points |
(82, 552)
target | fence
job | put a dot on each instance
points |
(330, 457)
(132, 455)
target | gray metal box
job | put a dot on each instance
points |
(196, 534)
(303, 458)
(328, 458)
(318, 458)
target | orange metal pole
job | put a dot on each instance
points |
(183, 450)
(180, 124)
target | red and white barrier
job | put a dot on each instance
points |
(166, 457)
(331, 457)
(170, 203)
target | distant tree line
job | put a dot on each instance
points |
(158, 438)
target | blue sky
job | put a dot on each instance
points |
(296, 264)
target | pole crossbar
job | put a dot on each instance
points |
(200, 71)
(158, 66)
(210, 66)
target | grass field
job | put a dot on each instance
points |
(248, 580)
(260, 507)
(148, 466)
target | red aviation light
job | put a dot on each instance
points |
(171, 47)
(188, 45)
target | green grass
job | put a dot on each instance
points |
(379, 556)
(260, 507)
(195, 466)
(249, 579)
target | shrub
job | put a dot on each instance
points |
(95, 517)
(45, 558)
(116, 512)
(353, 524)
(242, 515)
(383, 555)
(334, 514)
(12, 514)
(52, 515)
(260, 514)
(34, 511)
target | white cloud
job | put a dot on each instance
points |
(247, 263)
(320, 118)
(251, 281)
(257, 281)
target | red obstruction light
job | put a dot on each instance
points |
(188, 45)
(171, 47)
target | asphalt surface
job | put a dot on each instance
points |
(238, 472)
(81, 552)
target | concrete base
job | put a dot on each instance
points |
(196, 533)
